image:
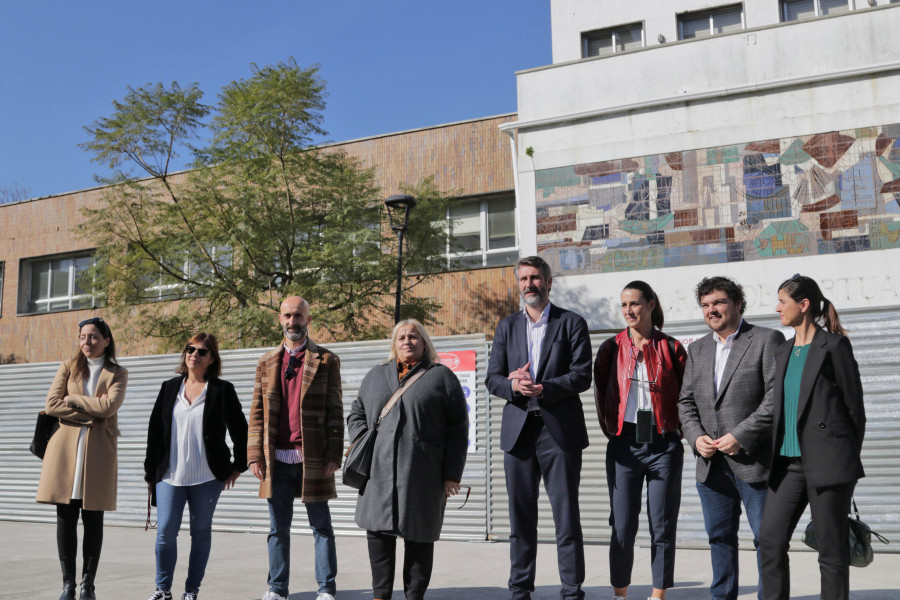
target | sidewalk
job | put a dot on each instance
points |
(238, 565)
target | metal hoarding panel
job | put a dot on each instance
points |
(873, 333)
(23, 389)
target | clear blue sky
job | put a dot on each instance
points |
(390, 65)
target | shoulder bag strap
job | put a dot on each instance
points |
(387, 407)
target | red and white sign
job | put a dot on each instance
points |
(462, 364)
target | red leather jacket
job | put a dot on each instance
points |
(611, 396)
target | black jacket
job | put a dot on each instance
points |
(831, 417)
(223, 411)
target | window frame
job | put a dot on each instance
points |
(2, 278)
(168, 292)
(710, 13)
(613, 32)
(457, 260)
(817, 9)
(26, 279)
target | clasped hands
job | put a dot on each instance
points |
(726, 444)
(522, 383)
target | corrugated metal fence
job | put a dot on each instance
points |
(23, 389)
(485, 516)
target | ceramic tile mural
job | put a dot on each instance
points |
(819, 194)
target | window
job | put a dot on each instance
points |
(54, 283)
(701, 24)
(615, 39)
(794, 10)
(482, 233)
(163, 286)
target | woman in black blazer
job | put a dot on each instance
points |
(819, 422)
(188, 460)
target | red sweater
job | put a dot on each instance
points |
(611, 396)
(289, 435)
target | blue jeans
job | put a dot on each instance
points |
(721, 496)
(287, 482)
(170, 499)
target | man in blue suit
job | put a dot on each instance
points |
(540, 363)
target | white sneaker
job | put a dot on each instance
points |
(324, 597)
(270, 595)
(160, 595)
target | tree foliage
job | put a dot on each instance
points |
(262, 214)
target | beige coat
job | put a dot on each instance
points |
(100, 458)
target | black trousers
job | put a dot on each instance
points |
(829, 506)
(418, 559)
(67, 534)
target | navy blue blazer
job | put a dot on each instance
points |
(564, 370)
(831, 417)
(223, 411)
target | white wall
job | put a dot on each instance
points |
(850, 281)
(570, 18)
(779, 81)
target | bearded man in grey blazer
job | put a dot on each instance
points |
(726, 409)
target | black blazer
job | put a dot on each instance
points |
(564, 369)
(223, 411)
(831, 417)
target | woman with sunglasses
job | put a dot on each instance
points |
(637, 379)
(80, 464)
(820, 421)
(188, 459)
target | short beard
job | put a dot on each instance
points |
(296, 336)
(537, 300)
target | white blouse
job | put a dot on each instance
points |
(638, 393)
(187, 452)
(95, 367)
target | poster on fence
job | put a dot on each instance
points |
(462, 364)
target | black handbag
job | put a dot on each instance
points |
(861, 553)
(358, 458)
(44, 429)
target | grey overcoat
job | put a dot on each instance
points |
(420, 443)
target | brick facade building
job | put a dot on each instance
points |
(41, 251)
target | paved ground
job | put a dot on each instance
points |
(237, 569)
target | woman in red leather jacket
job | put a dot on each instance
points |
(637, 379)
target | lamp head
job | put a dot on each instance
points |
(398, 207)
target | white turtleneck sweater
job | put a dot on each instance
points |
(95, 367)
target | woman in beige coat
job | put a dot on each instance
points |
(80, 465)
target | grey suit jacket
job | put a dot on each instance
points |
(743, 405)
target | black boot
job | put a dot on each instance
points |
(68, 572)
(87, 579)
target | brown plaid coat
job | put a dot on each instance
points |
(321, 419)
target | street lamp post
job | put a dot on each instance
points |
(398, 208)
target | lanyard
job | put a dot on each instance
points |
(634, 374)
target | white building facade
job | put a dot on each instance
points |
(675, 139)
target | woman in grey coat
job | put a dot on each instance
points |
(419, 455)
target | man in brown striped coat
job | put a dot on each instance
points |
(295, 443)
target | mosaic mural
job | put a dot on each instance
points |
(819, 194)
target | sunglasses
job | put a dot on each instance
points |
(201, 352)
(91, 321)
(291, 370)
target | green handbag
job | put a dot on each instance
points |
(861, 553)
